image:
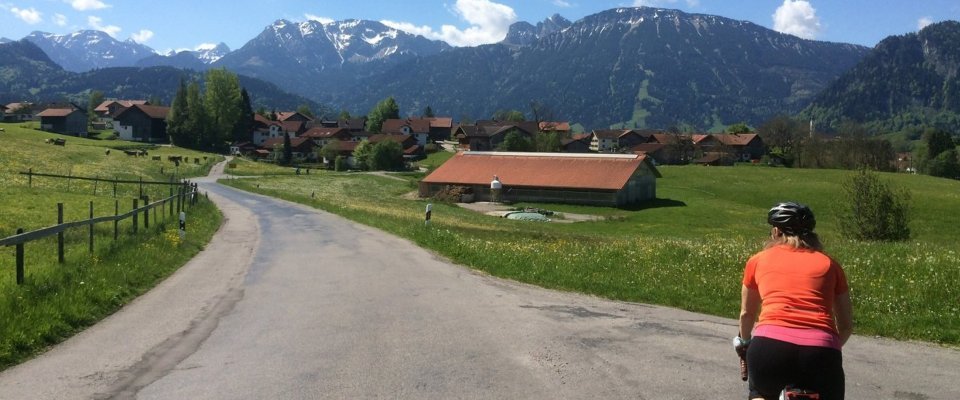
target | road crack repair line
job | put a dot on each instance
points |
(165, 357)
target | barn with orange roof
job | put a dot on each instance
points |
(592, 179)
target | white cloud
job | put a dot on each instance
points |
(665, 3)
(562, 3)
(142, 37)
(923, 22)
(797, 17)
(85, 5)
(30, 15)
(97, 23)
(60, 19)
(489, 23)
(322, 20)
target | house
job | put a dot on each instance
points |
(18, 112)
(743, 146)
(265, 129)
(615, 140)
(301, 147)
(593, 179)
(143, 123)
(323, 135)
(416, 127)
(243, 148)
(354, 124)
(578, 144)
(66, 121)
(107, 109)
(441, 128)
(487, 135)
(344, 149)
(657, 152)
(677, 148)
(561, 127)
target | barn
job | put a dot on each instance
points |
(591, 179)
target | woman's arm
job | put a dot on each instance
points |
(843, 313)
(749, 308)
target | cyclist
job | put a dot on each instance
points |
(805, 314)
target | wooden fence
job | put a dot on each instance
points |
(96, 181)
(186, 194)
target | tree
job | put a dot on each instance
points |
(938, 141)
(330, 151)
(945, 165)
(177, 118)
(222, 100)
(195, 128)
(386, 155)
(96, 97)
(428, 112)
(344, 115)
(155, 100)
(361, 154)
(511, 116)
(287, 150)
(384, 110)
(305, 110)
(548, 142)
(873, 210)
(740, 127)
(782, 134)
(514, 141)
(243, 128)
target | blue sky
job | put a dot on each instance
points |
(180, 24)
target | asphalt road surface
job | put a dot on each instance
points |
(289, 302)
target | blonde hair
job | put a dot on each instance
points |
(808, 240)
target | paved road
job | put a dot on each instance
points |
(290, 303)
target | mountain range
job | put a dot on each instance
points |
(627, 67)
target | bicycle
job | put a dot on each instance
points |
(789, 392)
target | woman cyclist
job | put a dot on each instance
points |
(805, 315)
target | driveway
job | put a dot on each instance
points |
(288, 302)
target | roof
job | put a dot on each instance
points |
(416, 125)
(554, 126)
(609, 133)
(57, 112)
(292, 126)
(154, 112)
(440, 122)
(385, 136)
(285, 115)
(583, 137)
(105, 106)
(321, 132)
(648, 147)
(740, 139)
(294, 142)
(16, 106)
(666, 138)
(553, 170)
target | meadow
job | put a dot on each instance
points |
(686, 249)
(58, 300)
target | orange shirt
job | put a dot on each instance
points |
(797, 287)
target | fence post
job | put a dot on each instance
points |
(19, 259)
(60, 234)
(91, 226)
(179, 197)
(96, 182)
(30, 177)
(114, 186)
(136, 204)
(171, 195)
(141, 187)
(116, 221)
(146, 212)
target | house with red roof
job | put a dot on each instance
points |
(561, 127)
(487, 135)
(418, 128)
(301, 147)
(265, 129)
(440, 128)
(142, 123)
(66, 121)
(592, 179)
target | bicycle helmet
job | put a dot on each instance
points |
(791, 218)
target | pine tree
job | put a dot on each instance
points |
(195, 129)
(96, 97)
(428, 113)
(178, 116)
(244, 126)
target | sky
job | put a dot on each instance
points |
(181, 24)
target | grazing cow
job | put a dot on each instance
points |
(175, 158)
(132, 152)
(156, 158)
(60, 142)
(107, 152)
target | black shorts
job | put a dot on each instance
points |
(774, 364)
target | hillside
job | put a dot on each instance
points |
(906, 82)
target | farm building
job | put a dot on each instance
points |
(592, 179)
(142, 123)
(67, 121)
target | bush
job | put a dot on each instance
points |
(873, 210)
(340, 163)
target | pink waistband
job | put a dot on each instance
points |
(799, 336)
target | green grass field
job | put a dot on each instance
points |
(57, 300)
(686, 249)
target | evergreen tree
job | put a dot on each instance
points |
(195, 128)
(938, 141)
(178, 117)
(287, 150)
(428, 112)
(344, 115)
(384, 110)
(305, 110)
(222, 100)
(244, 127)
